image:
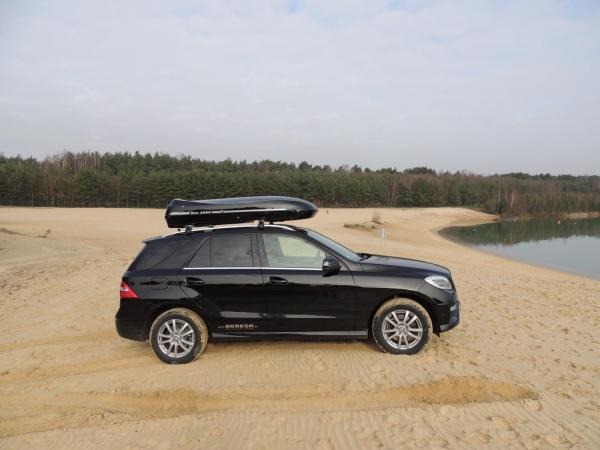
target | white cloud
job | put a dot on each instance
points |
(452, 85)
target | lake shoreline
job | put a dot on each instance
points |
(559, 216)
(510, 244)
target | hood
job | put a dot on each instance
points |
(379, 263)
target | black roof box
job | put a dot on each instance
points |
(182, 213)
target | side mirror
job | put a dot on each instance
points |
(331, 266)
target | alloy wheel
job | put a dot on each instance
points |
(402, 329)
(176, 338)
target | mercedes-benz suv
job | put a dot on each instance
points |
(276, 281)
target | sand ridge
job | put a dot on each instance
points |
(128, 405)
(522, 370)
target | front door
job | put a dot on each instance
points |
(300, 298)
(224, 280)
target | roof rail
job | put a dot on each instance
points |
(189, 230)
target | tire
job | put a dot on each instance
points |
(391, 320)
(186, 343)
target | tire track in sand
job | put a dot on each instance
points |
(61, 340)
(75, 410)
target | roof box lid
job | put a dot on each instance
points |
(219, 211)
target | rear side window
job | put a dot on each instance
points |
(202, 256)
(230, 250)
(165, 254)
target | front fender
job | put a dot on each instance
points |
(374, 289)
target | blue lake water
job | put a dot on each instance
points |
(567, 245)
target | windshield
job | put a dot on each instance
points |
(338, 248)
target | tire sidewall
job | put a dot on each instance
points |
(378, 328)
(198, 335)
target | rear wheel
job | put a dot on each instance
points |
(401, 326)
(178, 336)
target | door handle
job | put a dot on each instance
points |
(158, 283)
(193, 281)
(278, 281)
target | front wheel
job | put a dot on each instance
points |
(178, 336)
(401, 326)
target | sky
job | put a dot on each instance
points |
(482, 86)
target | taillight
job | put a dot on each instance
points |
(126, 291)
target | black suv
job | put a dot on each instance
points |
(274, 281)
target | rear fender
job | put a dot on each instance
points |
(159, 309)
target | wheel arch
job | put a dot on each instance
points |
(166, 307)
(421, 299)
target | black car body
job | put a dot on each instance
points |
(273, 281)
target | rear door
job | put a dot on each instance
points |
(224, 280)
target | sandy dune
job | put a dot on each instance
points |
(522, 370)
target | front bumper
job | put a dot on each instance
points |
(453, 316)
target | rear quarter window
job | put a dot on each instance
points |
(173, 254)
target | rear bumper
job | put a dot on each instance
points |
(130, 330)
(131, 320)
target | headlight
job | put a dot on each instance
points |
(439, 282)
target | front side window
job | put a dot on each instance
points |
(290, 251)
(335, 246)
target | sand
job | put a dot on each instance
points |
(521, 371)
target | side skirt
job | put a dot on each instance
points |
(308, 335)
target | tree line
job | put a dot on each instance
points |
(93, 179)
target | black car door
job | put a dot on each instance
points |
(224, 280)
(300, 298)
